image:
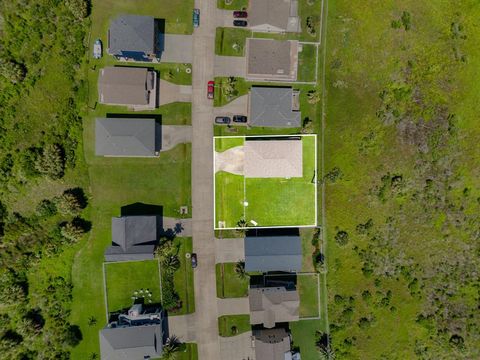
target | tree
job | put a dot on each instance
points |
(72, 231)
(171, 348)
(51, 161)
(240, 270)
(12, 71)
(341, 238)
(79, 8)
(71, 202)
(313, 96)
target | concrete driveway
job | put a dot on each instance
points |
(177, 49)
(237, 347)
(182, 326)
(230, 66)
(239, 106)
(176, 226)
(229, 250)
(172, 135)
(233, 306)
(170, 93)
(231, 160)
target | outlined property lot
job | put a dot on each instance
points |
(265, 181)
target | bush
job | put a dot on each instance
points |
(79, 8)
(341, 238)
(72, 231)
(12, 71)
(71, 202)
(51, 162)
(46, 208)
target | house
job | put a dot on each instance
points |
(273, 253)
(271, 305)
(127, 137)
(273, 158)
(274, 107)
(137, 335)
(129, 86)
(272, 344)
(277, 16)
(272, 60)
(133, 37)
(133, 238)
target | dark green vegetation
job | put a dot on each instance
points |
(232, 325)
(230, 284)
(403, 205)
(124, 279)
(41, 175)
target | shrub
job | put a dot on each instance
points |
(333, 175)
(72, 231)
(51, 162)
(12, 71)
(341, 238)
(46, 208)
(71, 202)
(79, 8)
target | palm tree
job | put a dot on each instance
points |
(240, 270)
(171, 348)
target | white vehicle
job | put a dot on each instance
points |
(97, 49)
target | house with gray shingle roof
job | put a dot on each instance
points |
(137, 335)
(273, 253)
(133, 37)
(277, 16)
(127, 137)
(133, 238)
(272, 344)
(274, 107)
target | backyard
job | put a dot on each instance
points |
(269, 200)
(307, 63)
(308, 290)
(232, 325)
(123, 280)
(229, 283)
(304, 338)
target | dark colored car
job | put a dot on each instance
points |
(239, 118)
(240, 14)
(210, 89)
(194, 260)
(222, 120)
(196, 18)
(241, 23)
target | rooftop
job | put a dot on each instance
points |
(273, 158)
(272, 107)
(274, 15)
(126, 137)
(272, 344)
(131, 34)
(272, 305)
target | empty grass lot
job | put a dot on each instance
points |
(229, 285)
(122, 279)
(231, 41)
(271, 201)
(232, 325)
(233, 4)
(307, 286)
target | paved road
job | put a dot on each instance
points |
(206, 326)
(229, 250)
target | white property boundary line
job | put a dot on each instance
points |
(315, 181)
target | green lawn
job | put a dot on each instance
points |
(190, 353)
(123, 279)
(307, 286)
(116, 182)
(303, 336)
(229, 285)
(233, 4)
(306, 63)
(271, 201)
(232, 325)
(241, 86)
(183, 277)
(222, 144)
(231, 41)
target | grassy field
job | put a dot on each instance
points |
(222, 144)
(307, 63)
(303, 336)
(232, 5)
(232, 325)
(262, 193)
(307, 286)
(123, 279)
(401, 85)
(183, 277)
(231, 41)
(191, 352)
(229, 285)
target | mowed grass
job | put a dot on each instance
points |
(231, 41)
(190, 353)
(183, 277)
(271, 201)
(307, 63)
(232, 5)
(303, 336)
(222, 144)
(307, 286)
(232, 325)
(123, 279)
(116, 182)
(229, 284)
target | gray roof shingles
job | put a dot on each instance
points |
(132, 33)
(272, 107)
(273, 253)
(125, 137)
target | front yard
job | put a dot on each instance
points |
(232, 4)
(229, 284)
(232, 325)
(231, 41)
(183, 277)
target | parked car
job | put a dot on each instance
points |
(196, 18)
(222, 120)
(239, 118)
(240, 14)
(97, 49)
(194, 260)
(241, 23)
(210, 89)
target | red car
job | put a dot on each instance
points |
(210, 89)
(240, 14)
